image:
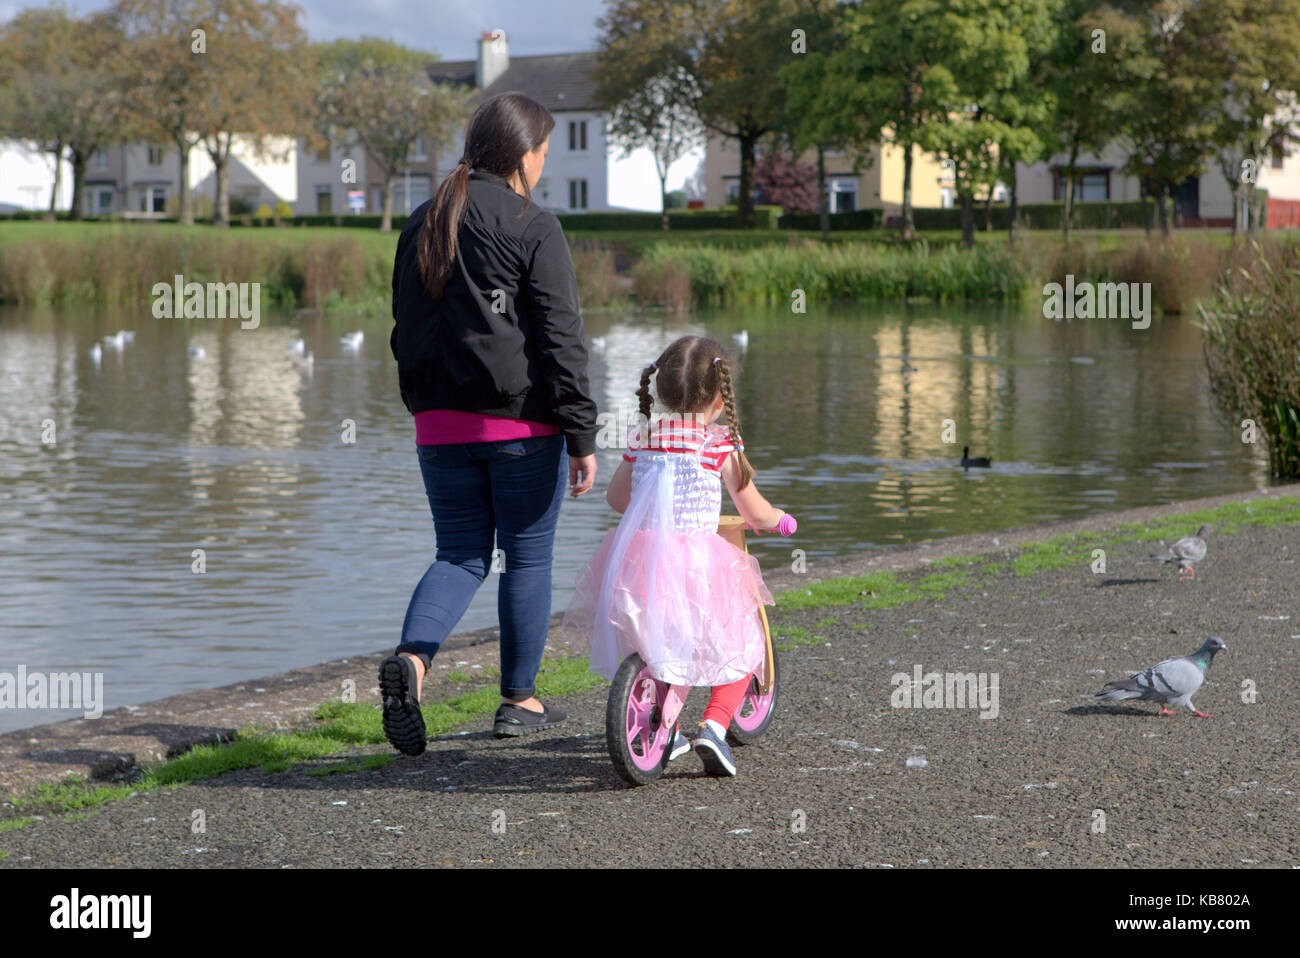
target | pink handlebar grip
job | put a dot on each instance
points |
(787, 525)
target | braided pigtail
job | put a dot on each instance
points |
(733, 423)
(643, 396)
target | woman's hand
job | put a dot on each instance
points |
(582, 475)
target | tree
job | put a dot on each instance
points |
(64, 87)
(644, 81)
(736, 48)
(904, 86)
(377, 95)
(256, 80)
(166, 77)
(1248, 50)
(783, 180)
(816, 94)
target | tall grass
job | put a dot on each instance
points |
(843, 271)
(1180, 272)
(1252, 348)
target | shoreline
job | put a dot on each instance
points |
(108, 748)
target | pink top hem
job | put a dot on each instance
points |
(439, 427)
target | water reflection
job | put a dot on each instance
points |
(205, 436)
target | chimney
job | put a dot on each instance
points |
(493, 58)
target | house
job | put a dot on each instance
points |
(1204, 200)
(27, 177)
(878, 187)
(584, 171)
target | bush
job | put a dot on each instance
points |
(765, 218)
(857, 220)
(1108, 214)
(1252, 349)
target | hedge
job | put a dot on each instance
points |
(857, 220)
(765, 218)
(1106, 214)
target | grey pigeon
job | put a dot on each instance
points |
(1186, 552)
(1171, 682)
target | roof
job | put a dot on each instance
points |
(559, 82)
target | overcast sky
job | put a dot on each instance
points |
(448, 29)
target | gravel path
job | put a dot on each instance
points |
(1052, 780)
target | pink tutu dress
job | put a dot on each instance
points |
(663, 582)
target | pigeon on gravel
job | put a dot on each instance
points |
(1186, 552)
(1171, 682)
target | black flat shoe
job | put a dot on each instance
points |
(403, 721)
(513, 720)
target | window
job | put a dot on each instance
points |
(1089, 187)
(577, 135)
(844, 196)
(1277, 157)
(419, 192)
(418, 154)
(155, 155)
(153, 199)
(733, 193)
(577, 194)
(99, 160)
(101, 199)
(324, 198)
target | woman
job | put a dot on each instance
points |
(491, 362)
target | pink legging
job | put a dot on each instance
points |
(724, 700)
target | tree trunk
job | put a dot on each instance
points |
(663, 197)
(221, 205)
(78, 181)
(1163, 203)
(1014, 223)
(745, 201)
(386, 221)
(823, 203)
(967, 219)
(909, 227)
(184, 204)
(53, 212)
(1069, 189)
(1236, 208)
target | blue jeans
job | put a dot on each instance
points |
(512, 488)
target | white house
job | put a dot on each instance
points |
(27, 177)
(584, 172)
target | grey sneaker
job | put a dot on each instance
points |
(714, 752)
(679, 745)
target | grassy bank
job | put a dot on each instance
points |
(326, 267)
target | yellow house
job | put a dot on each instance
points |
(878, 187)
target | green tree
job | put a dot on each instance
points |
(377, 95)
(63, 85)
(256, 80)
(646, 84)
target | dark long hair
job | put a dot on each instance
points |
(501, 131)
(688, 379)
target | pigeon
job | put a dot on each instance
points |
(352, 341)
(967, 462)
(1186, 552)
(1171, 682)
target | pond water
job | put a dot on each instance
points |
(312, 544)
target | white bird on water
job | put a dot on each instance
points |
(353, 341)
(116, 341)
(198, 352)
(299, 346)
(598, 342)
(96, 354)
(742, 339)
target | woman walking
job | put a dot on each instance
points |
(492, 364)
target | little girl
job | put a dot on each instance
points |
(663, 583)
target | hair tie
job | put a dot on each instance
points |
(716, 360)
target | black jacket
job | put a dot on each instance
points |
(506, 339)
